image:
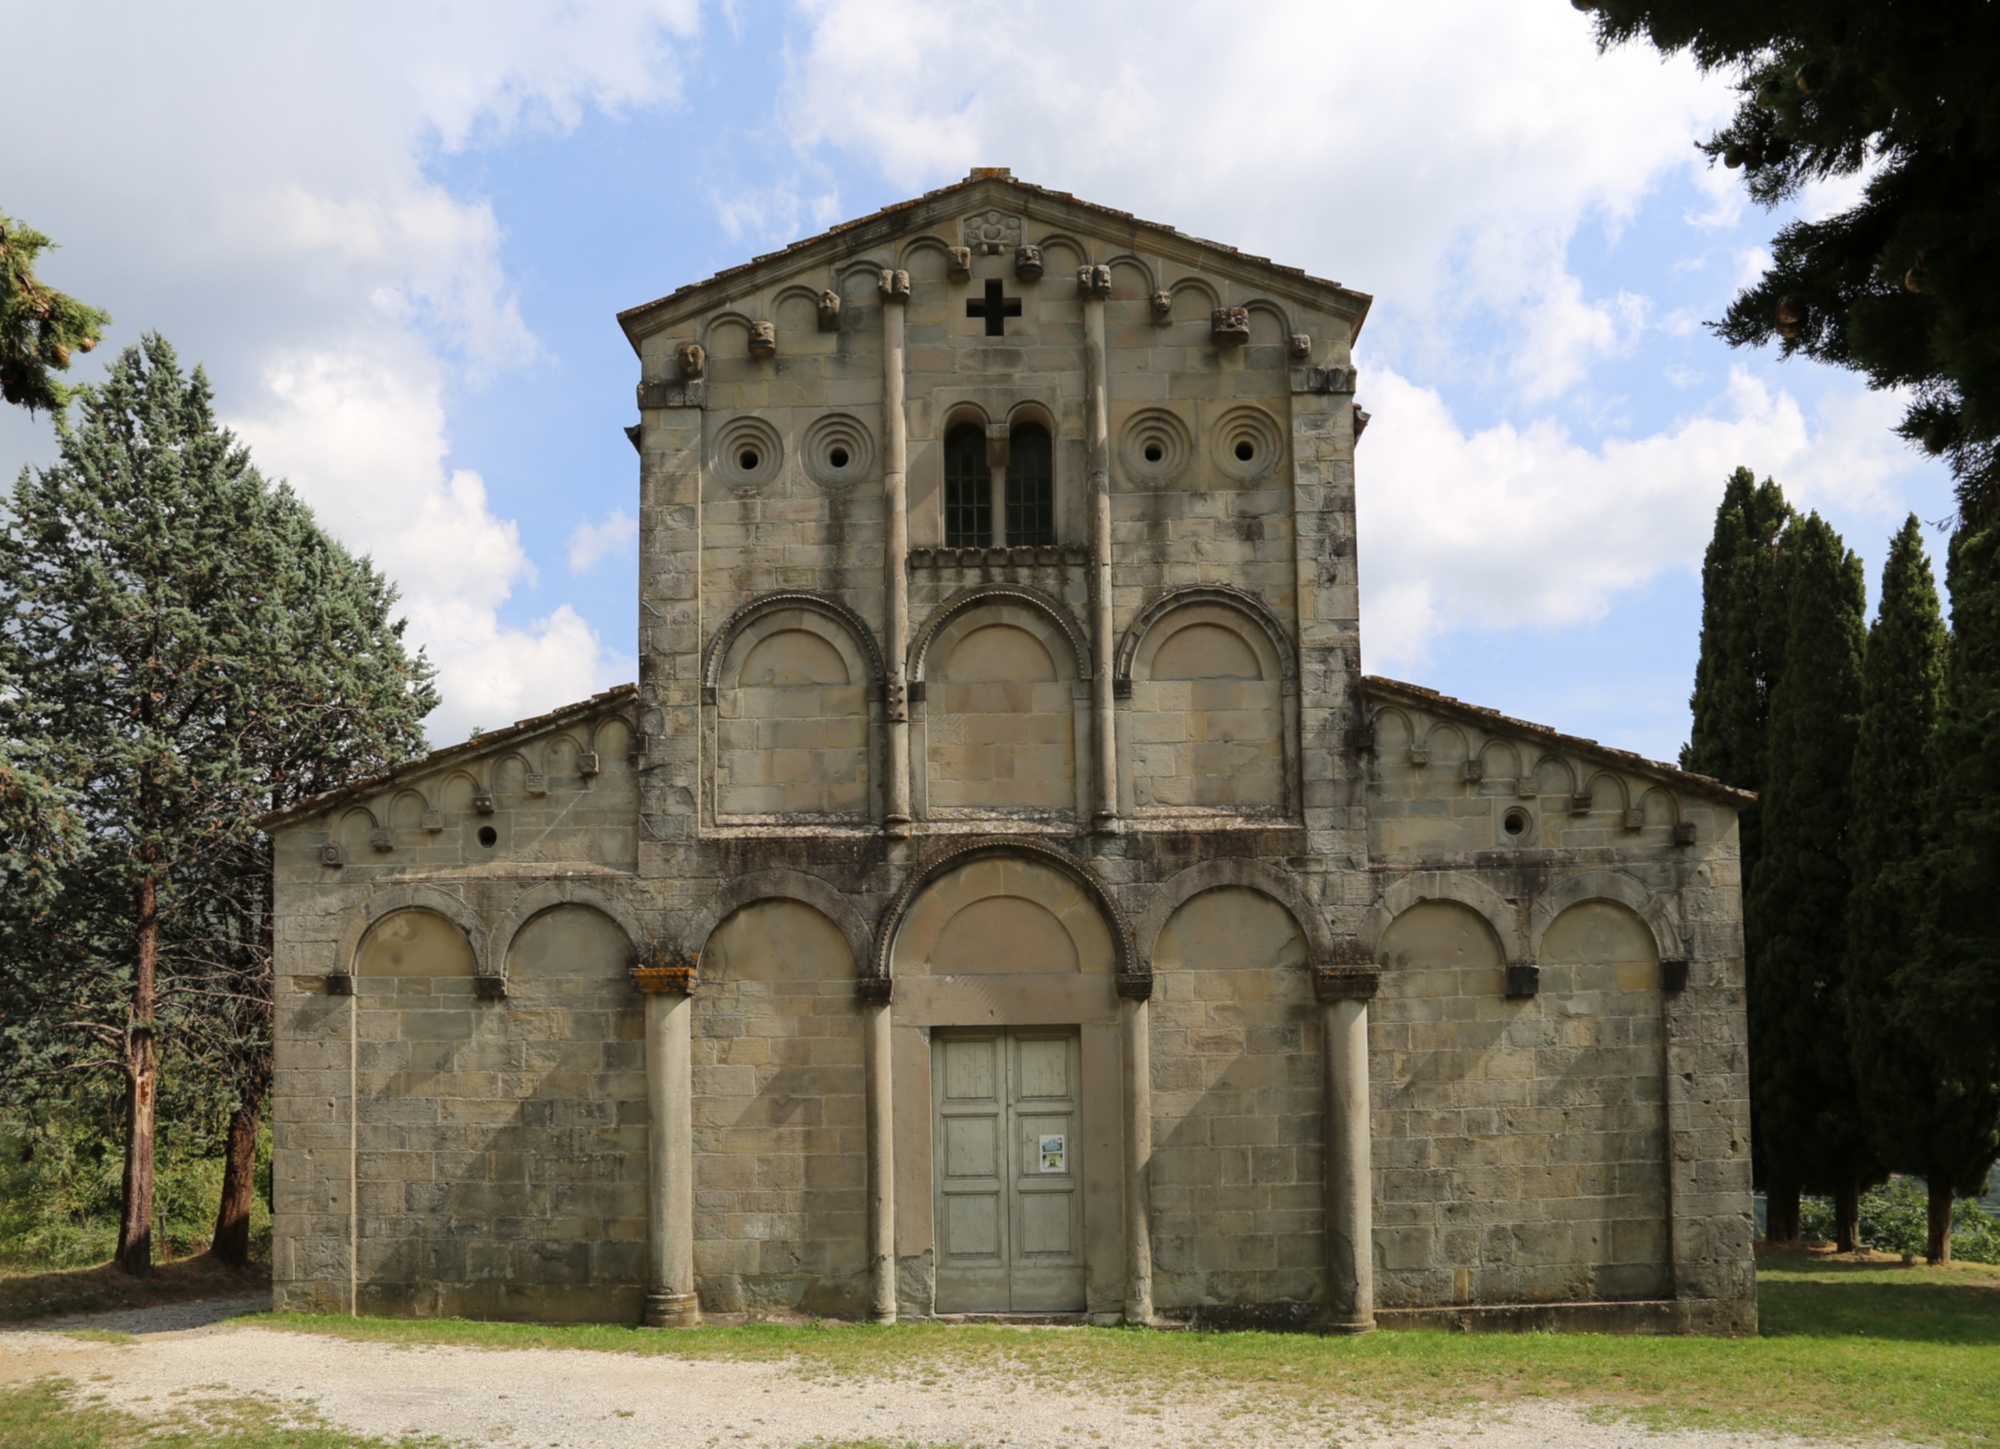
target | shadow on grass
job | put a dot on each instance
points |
(1810, 1293)
(27, 1295)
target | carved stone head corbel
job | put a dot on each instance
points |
(1162, 303)
(958, 264)
(1229, 325)
(1093, 284)
(763, 340)
(693, 360)
(829, 311)
(1027, 263)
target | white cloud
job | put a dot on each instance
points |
(251, 180)
(592, 543)
(1511, 526)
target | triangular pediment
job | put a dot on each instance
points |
(992, 210)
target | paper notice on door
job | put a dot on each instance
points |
(1054, 1158)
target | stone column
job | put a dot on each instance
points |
(874, 992)
(1093, 285)
(895, 553)
(1135, 989)
(670, 1296)
(1344, 992)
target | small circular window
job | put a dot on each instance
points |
(488, 836)
(1246, 444)
(747, 452)
(1516, 823)
(1246, 451)
(1154, 452)
(836, 451)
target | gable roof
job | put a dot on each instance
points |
(987, 186)
(1396, 691)
(483, 743)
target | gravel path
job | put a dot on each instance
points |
(531, 1398)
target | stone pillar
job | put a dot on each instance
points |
(670, 1296)
(895, 553)
(1344, 992)
(1093, 285)
(1134, 991)
(874, 992)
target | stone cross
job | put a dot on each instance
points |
(995, 309)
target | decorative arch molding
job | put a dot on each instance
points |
(790, 885)
(1272, 309)
(415, 898)
(1128, 964)
(1138, 264)
(757, 608)
(1416, 889)
(1240, 600)
(1260, 876)
(539, 900)
(1607, 885)
(981, 595)
(1211, 298)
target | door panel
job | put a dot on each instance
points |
(1009, 1205)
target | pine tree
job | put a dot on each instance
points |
(39, 327)
(1950, 990)
(166, 630)
(1898, 286)
(1801, 1078)
(1920, 1119)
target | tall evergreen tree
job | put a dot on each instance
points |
(159, 618)
(1801, 1078)
(1743, 622)
(1921, 1117)
(1951, 989)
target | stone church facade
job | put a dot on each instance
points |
(1002, 892)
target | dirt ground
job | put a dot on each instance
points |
(546, 1399)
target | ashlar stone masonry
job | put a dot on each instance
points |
(1002, 892)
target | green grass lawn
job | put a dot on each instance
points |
(1848, 1349)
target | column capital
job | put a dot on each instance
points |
(895, 285)
(672, 980)
(1346, 983)
(1135, 985)
(1093, 284)
(874, 990)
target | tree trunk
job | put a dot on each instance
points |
(1938, 1248)
(1781, 1211)
(142, 1084)
(231, 1243)
(1847, 1217)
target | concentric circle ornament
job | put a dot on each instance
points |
(747, 452)
(1155, 447)
(837, 451)
(1246, 443)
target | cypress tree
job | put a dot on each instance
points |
(1920, 1119)
(1801, 1076)
(1950, 991)
(1743, 623)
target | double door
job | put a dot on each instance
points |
(1009, 1175)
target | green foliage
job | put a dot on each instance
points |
(1899, 286)
(1895, 1218)
(1802, 1082)
(1743, 621)
(1922, 1116)
(39, 327)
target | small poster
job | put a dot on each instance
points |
(1054, 1158)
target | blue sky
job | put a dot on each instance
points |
(398, 235)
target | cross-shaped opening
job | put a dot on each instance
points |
(995, 309)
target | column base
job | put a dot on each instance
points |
(1348, 1326)
(671, 1310)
